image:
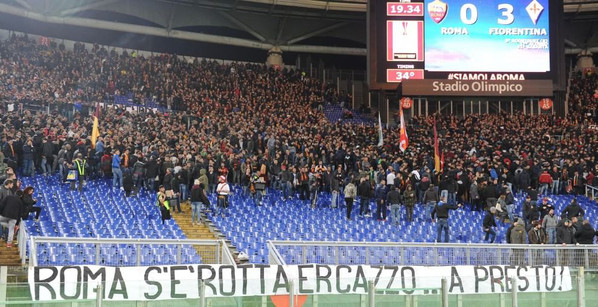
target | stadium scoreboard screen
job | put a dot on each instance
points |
(461, 47)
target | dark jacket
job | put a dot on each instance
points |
(585, 235)
(572, 210)
(364, 190)
(530, 211)
(128, 181)
(381, 193)
(151, 169)
(508, 234)
(430, 195)
(11, 207)
(489, 221)
(167, 182)
(565, 234)
(27, 152)
(518, 235)
(441, 210)
(394, 197)
(198, 195)
(537, 236)
(409, 198)
(5, 192)
(28, 204)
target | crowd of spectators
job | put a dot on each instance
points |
(254, 125)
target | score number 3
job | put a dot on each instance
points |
(469, 14)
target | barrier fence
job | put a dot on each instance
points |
(426, 254)
(576, 288)
(591, 192)
(123, 252)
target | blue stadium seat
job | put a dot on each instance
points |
(97, 212)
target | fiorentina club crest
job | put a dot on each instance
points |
(534, 10)
(437, 10)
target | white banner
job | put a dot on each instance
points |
(182, 281)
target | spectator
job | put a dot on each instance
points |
(510, 202)
(381, 194)
(350, 194)
(430, 199)
(545, 207)
(198, 200)
(586, 234)
(489, 224)
(476, 204)
(565, 235)
(163, 204)
(573, 209)
(6, 189)
(29, 202)
(223, 190)
(394, 199)
(11, 211)
(80, 165)
(409, 198)
(441, 210)
(364, 190)
(518, 236)
(550, 223)
(537, 235)
(530, 211)
(117, 179)
(128, 183)
(545, 182)
(335, 191)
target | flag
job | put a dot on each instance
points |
(436, 150)
(442, 162)
(380, 137)
(95, 131)
(403, 140)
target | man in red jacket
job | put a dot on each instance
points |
(545, 182)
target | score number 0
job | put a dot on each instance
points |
(469, 14)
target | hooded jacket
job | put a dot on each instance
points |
(550, 221)
(11, 207)
(565, 234)
(203, 178)
(518, 235)
(585, 235)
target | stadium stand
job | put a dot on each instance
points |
(257, 122)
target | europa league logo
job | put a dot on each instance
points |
(437, 10)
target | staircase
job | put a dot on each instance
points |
(9, 256)
(192, 231)
(204, 231)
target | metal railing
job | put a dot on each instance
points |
(591, 192)
(432, 254)
(127, 252)
(273, 255)
(23, 239)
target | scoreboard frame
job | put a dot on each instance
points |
(378, 62)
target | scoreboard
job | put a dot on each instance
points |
(449, 41)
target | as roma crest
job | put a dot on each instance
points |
(437, 10)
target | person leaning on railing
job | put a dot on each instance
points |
(518, 236)
(537, 235)
(586, 234)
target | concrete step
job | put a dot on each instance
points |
(9, 256)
